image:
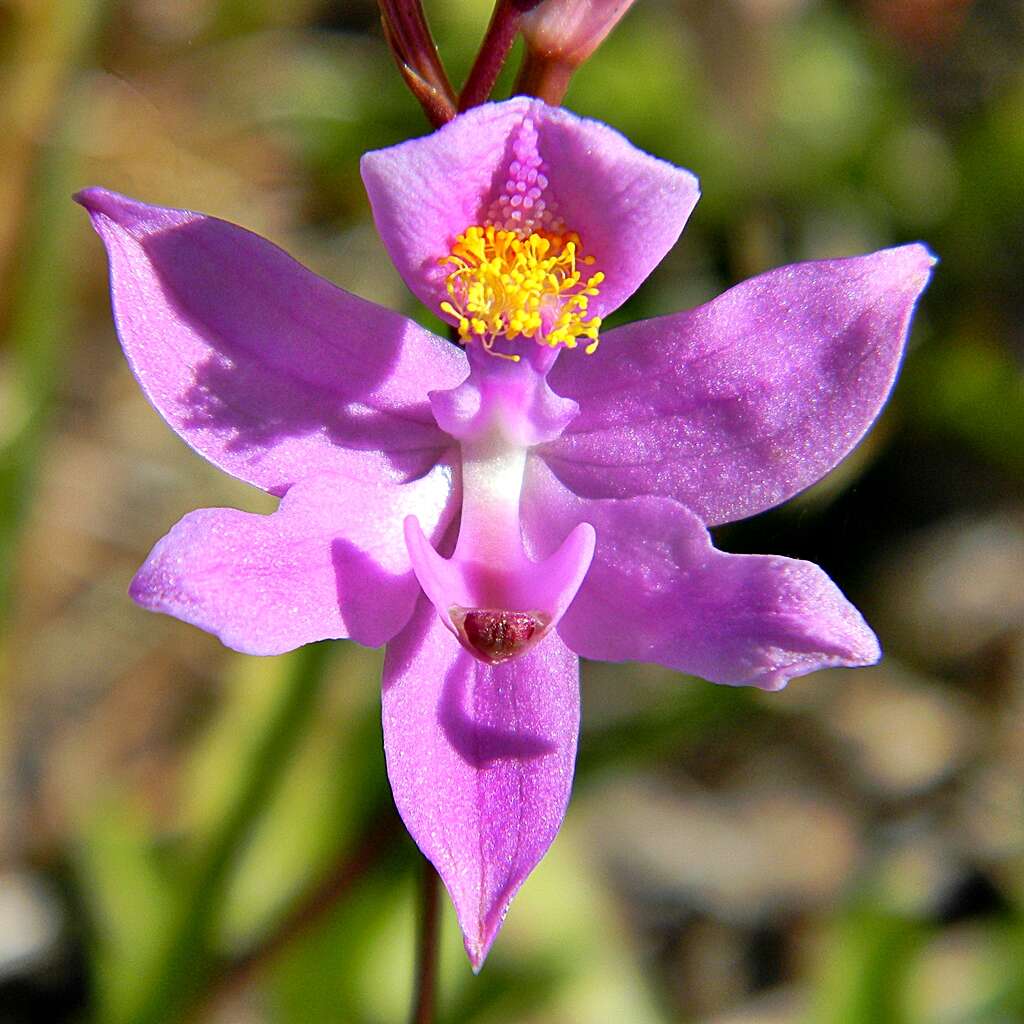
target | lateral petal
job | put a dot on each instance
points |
(480, 760)
(657, 590)
(263, 367)
(330, 562)
(735, 406)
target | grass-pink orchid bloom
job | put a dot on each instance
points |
(494, 510)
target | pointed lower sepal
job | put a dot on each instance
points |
(480, 760)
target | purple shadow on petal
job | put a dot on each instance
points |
(223, 389)
(480, 760)
(263, 367)
(361, 583)
(225, 384)
(478, 743)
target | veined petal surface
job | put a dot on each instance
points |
(480, 760)
(658, 591)
(329, 563)
(627, 206)
(265, 368)
(735, 406)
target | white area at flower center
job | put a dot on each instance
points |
(490, 568)
(492, 482)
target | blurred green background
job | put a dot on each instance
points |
(186, 833)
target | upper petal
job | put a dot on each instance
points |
(628, 207)
(480, 760)
(735, 406)
(271, 372)
(658, 591)
(329, 563)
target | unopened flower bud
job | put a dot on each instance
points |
(569, 31)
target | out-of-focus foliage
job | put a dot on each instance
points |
(182, 825)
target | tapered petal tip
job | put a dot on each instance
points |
(844, 640)
(861, 651)
(478, 949)
(94, 198)
(902, 272)
(863, 646)
(156, 588)
(114, 215)
(920, 254)
(914, 262)
(478, 946)
(101, 202)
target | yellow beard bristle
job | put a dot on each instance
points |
(504, 285)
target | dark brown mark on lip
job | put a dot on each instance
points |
(495, 635)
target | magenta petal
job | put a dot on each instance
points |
(658, 591)
(480, 760)
(266, 369)
(330, 562)
(627, 206)
(737, 405)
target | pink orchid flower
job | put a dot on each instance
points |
(490, 511)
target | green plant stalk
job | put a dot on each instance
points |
(864, 980)
(186, 964)
(41, 277)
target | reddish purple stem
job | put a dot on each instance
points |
(425, 995)
(501, 34)
(409, 37)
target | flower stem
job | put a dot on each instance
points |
(412, 44)
(501, 34)
(184, 969)
(545, 77)
(425, 995)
